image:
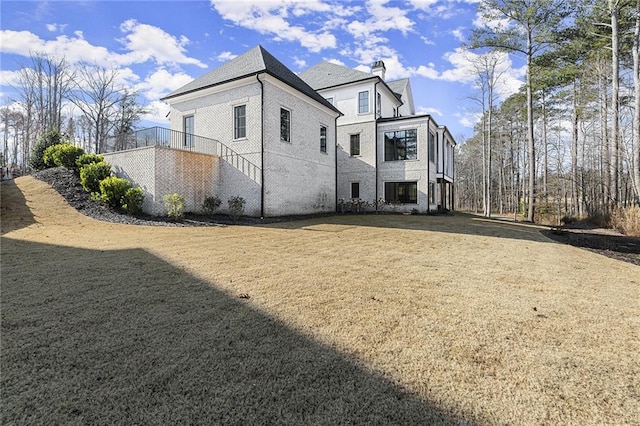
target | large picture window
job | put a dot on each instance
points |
(285, 125)
(401, 192)
(401, 145)
(240, 122)
(363, 102)
(355, 144)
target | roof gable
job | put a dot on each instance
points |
(252, 62)
(327, 74)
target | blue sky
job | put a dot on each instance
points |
(161, 45)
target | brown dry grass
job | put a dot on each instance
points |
(481, 320)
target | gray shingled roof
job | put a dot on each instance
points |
(252, 62)
(327, 74)
(398, 86)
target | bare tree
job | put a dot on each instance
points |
(95, 93)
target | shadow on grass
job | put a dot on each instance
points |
(14, 212)
(97, 337)
(457, 223)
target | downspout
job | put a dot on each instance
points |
(375, 116)
(335, 159)
(261, 146)
(428, 173)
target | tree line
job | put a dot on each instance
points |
(86, 103)
(567, 144)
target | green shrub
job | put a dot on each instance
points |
(236, 207)
(132, 200)
(92, 174)
(210, 205)
(62, 155)
(86, 159)
(175, 205)
(113, 190)
(48, 139)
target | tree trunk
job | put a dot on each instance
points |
(530, 138)
(615, 104)
(636, 115)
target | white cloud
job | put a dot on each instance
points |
(157, 113)
(429, 110)
(464, 71)
(142, 42)
(145, 42)
(382, 19)
(336, 61)
(161, 82)
(458, 34)
(300, 63)
(270, 17)
(225, 56)
(54, 28)
(9, 78)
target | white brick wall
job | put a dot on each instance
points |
(160, 171)
(299, 179)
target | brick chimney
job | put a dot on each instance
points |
(378, 69)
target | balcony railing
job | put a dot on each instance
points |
(160, 136)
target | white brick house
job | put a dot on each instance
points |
(385, 150)
(292, 144)
(270, 121)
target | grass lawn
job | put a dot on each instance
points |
(375, 319)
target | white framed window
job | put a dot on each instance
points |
(401, 192)
(363, 102)
(188, 127)
(355, 189)
(432, 147)
(285, 125)
(354, 144)
(379, 105)
(240, 122)
(323, 139)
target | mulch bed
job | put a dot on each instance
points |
(67, 183)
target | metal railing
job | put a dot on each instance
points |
(160, 136)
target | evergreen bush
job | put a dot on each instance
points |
(113, 190)
(86, 159)
(48, 139)
(132, 200)
(92, 174)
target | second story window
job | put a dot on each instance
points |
(355, 144)
(401, 145)
(240, 122)
(323, 139)
(379, 105)
(363, 102)
(188, 127)
(432, 147)
(285, 125)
